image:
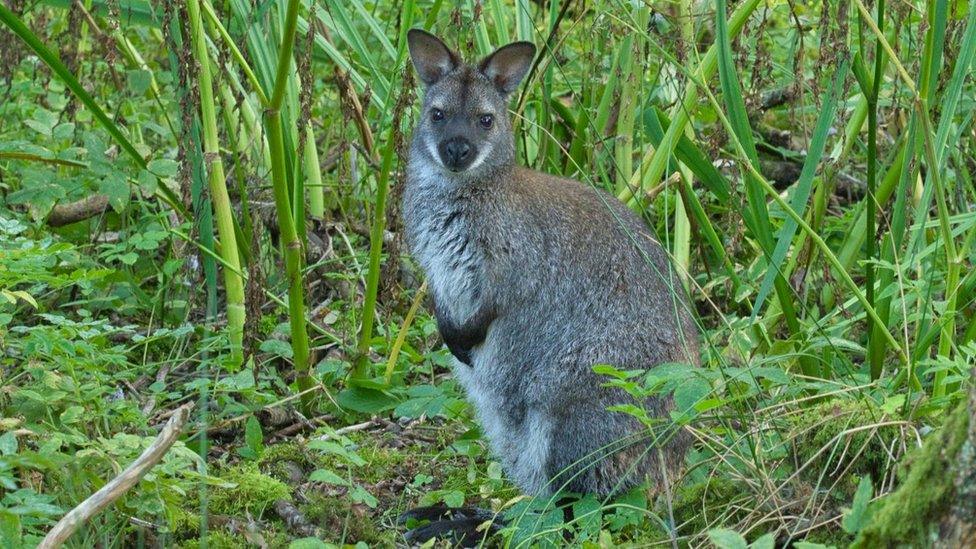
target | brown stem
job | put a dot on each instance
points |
(79, 210)
(118, 486)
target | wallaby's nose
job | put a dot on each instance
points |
(456, 153)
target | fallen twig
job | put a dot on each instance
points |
(72, 212)
(375, 422)
(294, 519)
(118, 486)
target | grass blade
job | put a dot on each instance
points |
(801, 193)
(756, 216)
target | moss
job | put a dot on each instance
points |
(695, 503)
(286, 451)
(184, 523)
(829, 537)
(254, 492)
(276, 457)
(826, 433)
(217, 539)
(337, 516)
(908, 515)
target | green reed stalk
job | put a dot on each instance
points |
(233, 281)
(255, 132)
(240, 137)
(361, 366)
(234, 51)
(953, 261)
(313, 174)
(291, 244)
(682, 224)
(623, 146)
(876, 343)
(203, 220)
(391, 117)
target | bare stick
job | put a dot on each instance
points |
(120, 484)
(72, 212)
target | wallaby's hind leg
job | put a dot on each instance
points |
(460, 525)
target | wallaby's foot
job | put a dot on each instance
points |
(459, 525)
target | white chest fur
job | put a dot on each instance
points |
(441, 240)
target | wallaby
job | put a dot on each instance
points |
(535, 280)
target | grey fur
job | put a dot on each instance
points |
(536, 279)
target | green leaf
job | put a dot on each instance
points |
(10, 529)
(116, 188)
(39, 191)
(724, 538)
(588, 510)
(253, 436)
(359, 495)
(424, 400)
(65, 130)
(8, 444)
(277, 347)
(856, 518)
(43, 122)
(689, 394)
(453, 498)
(139, 81)
(893, 403)
(72, 414)
(613, 371)
(334, 448)
(367, 401)
(766, 541)
(164, 167)
(237, 382)
(327, 477)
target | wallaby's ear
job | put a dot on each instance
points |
(508, 65)
(431, 57)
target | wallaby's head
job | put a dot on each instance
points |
(464, 127)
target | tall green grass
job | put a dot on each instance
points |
(632, 150)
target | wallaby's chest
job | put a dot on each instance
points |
(443, 240)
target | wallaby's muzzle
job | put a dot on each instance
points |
(457, 153)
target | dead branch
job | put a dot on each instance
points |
(375, 422)
(118, 486)
(79, 210)
(294, 519)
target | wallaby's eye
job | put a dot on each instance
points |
(436, 115)
(486, 120)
